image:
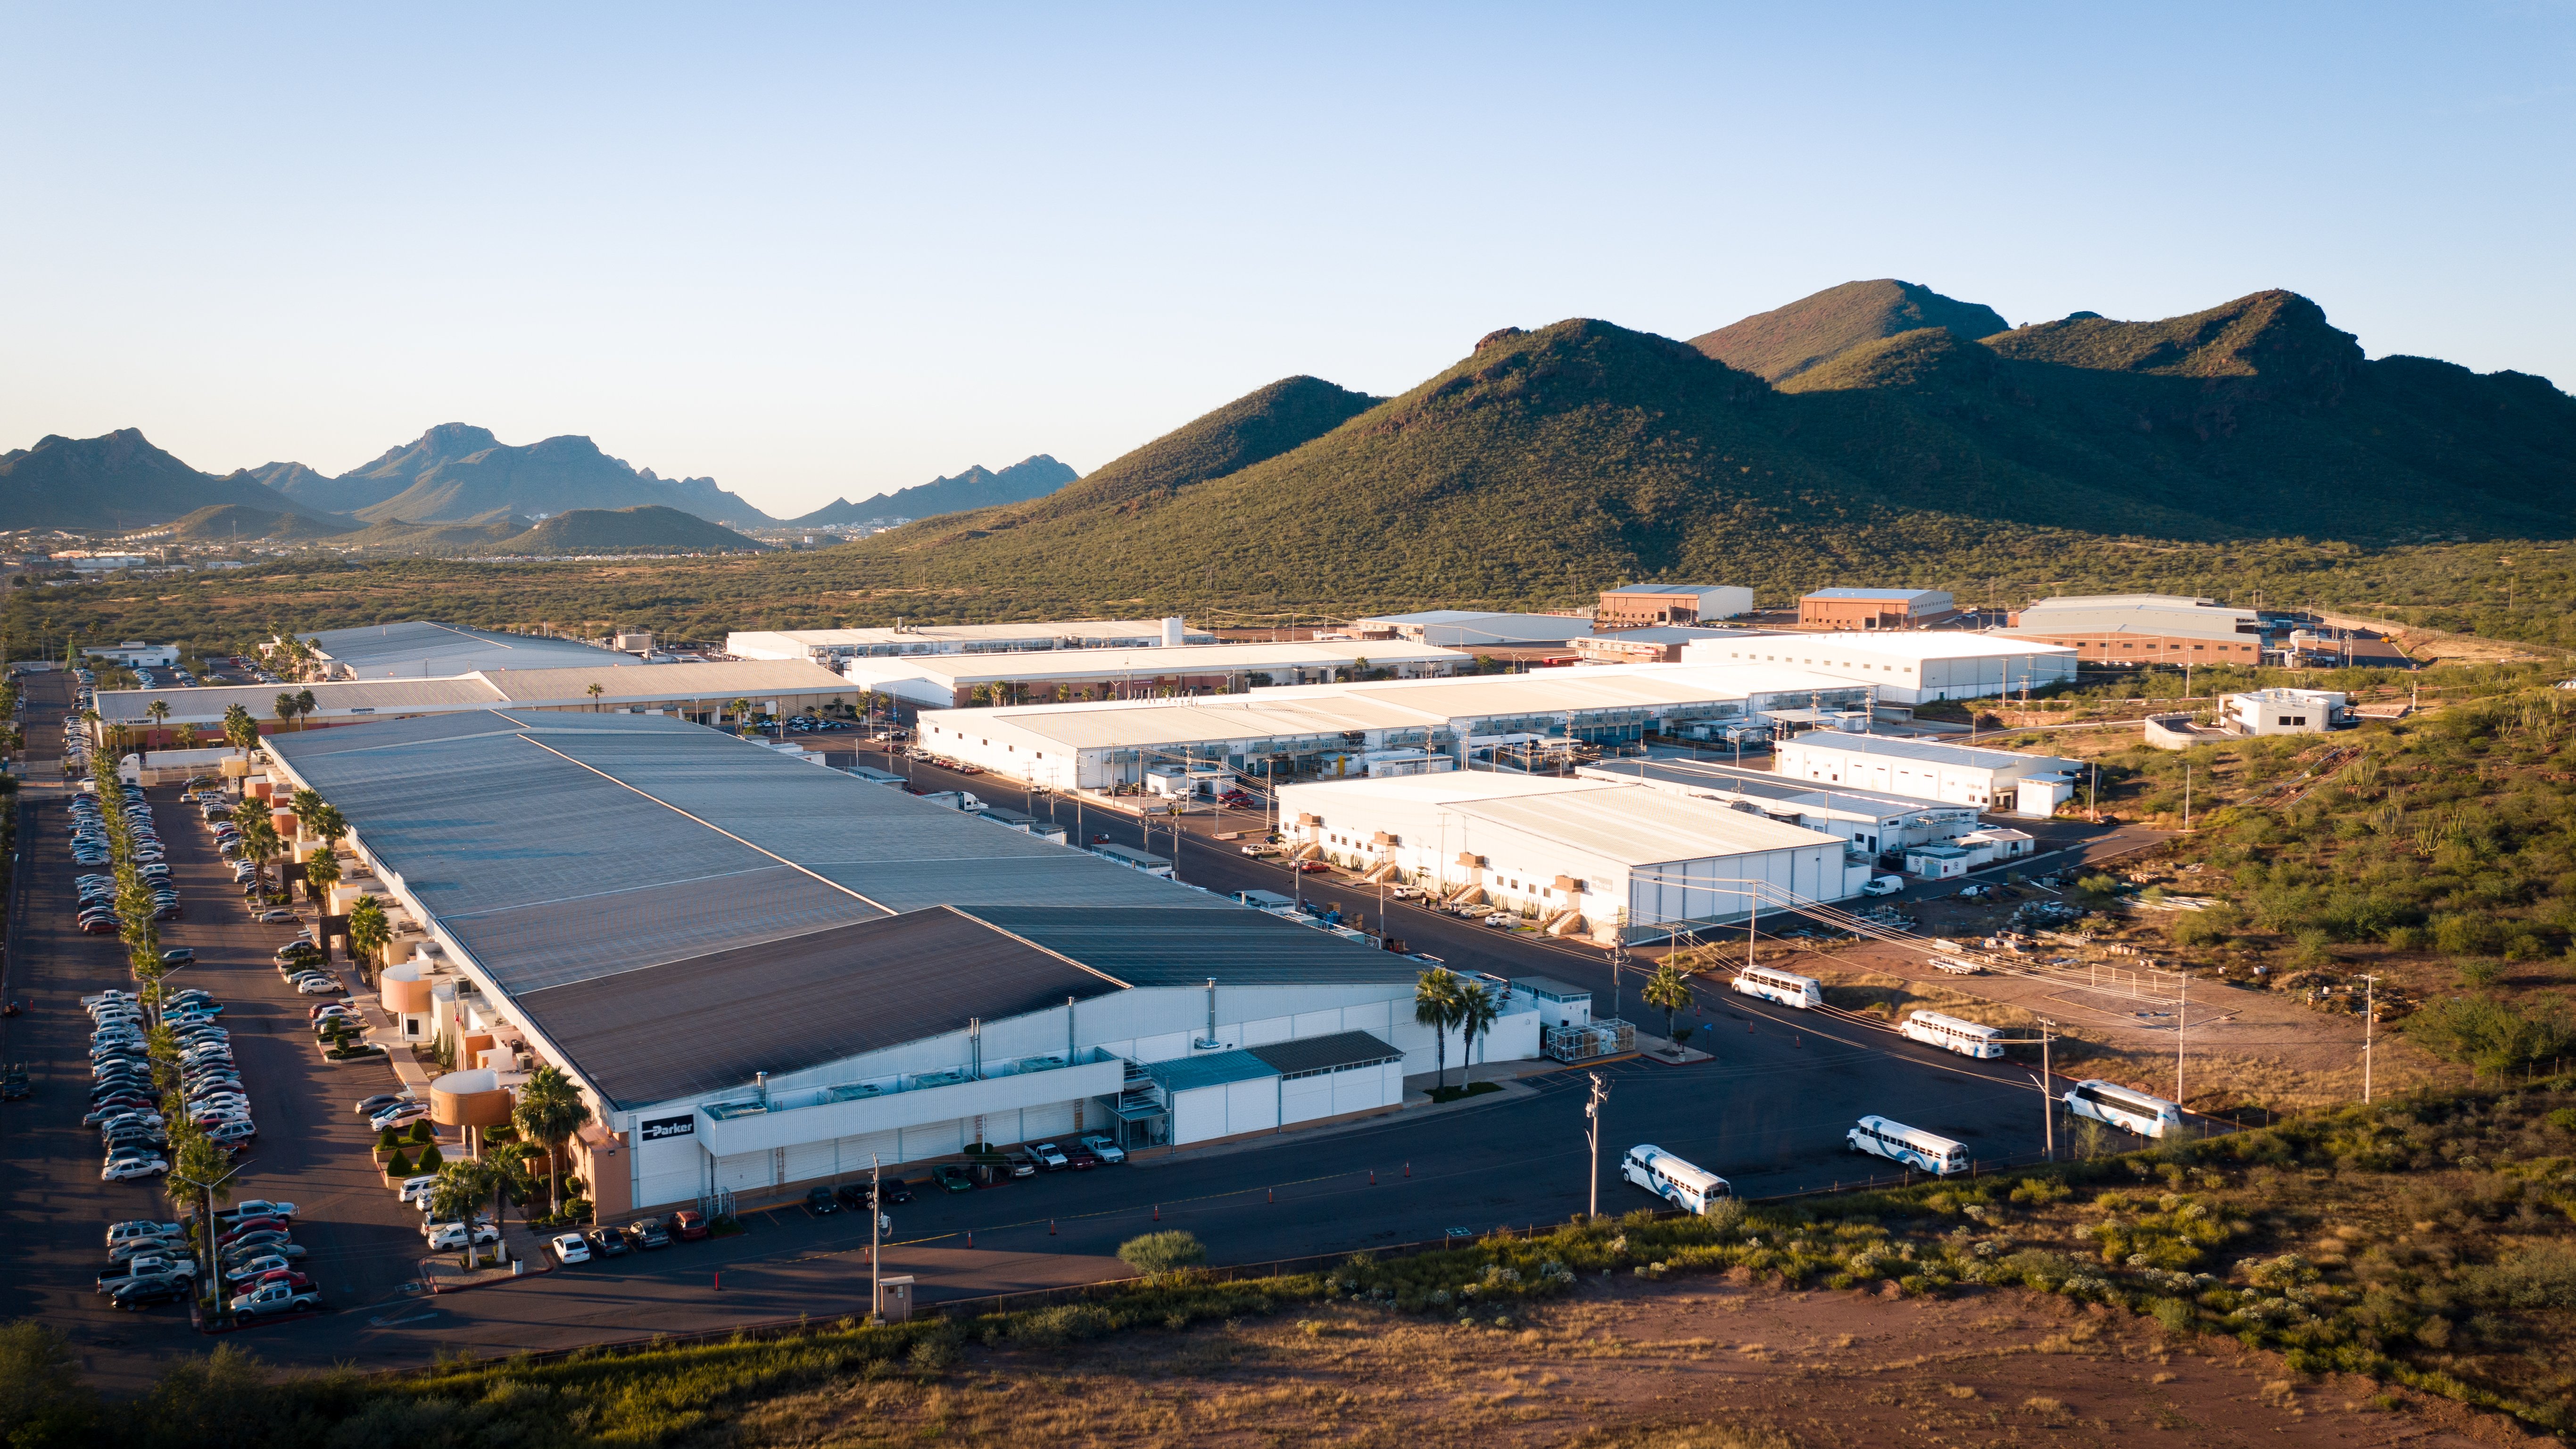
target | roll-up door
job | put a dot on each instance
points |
(933, 1139)
(745, 1171)
(810, 1160)
(856, 1151)
(1037, 1124)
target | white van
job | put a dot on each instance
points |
(1785, 987)
(1692, 1189)
(1911, 1146)
(2124, 1108)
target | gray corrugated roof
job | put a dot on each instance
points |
(1325, 1053)
(574, 849)
(714, 1021)
(420, 647)
(1973, 756)
(1213, 1070)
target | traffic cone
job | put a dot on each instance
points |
(1050, 1227)
(719, 1280)
(970, 1237)
(1408, 1169)
(1272, 1195)
(1158, 1212)
(1372, 1177)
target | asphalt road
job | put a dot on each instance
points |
(1768, 1112)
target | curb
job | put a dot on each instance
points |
(431, 1284)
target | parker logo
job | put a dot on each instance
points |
(661, 1127)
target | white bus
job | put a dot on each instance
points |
(1950, 1034)
(1912, 1146)
(2124, 1108)
(1692, 1189)
(1957, 966)
(1784, 987)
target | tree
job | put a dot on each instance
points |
(369, 931)
(328, 823)
(462, 1188)
(1476, 1013)
(1436, 1005)
(44, 1402)
(741, 712)
(1669, 990)
(241, 731)
(321, 872)
(284, 706)
(595, 690)
(159, 709)
(260, 845)
(550, 1110)
(304, 704)
(1160, 1255)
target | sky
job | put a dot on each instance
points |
(814, 251)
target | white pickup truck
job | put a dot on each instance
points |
(270, 1298)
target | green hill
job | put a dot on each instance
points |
(600, 530)
(1549, 464)
(1815, 330)
(235, 522)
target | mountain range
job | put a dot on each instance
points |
(977, 487)
(455, 475)
(1873, 433)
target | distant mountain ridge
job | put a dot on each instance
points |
(118, 481)
(457, 471)
(978, 487)
(652, 526)
(1548, 463)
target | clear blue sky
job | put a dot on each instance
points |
(823, 250)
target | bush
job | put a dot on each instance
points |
(2491, 1035)
(421, 1131)
(389, 1138)
(430, 1161)
(399, 1165)
(1157, 1255)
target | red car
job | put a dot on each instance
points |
(250, 1225)
(99, 927)
(688, 1225)
(287, 1276)
(1312, 867)
(1080, 1159)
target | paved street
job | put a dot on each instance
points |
(1768, 1112)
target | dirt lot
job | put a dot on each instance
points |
(1641, 1364)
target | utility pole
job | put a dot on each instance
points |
(2182, 1010)
(2047, 1090)
(2369, 1019)
(2186, 797)
(1592, 1135)
(876, 1239)
(2093, 795)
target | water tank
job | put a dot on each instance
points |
(470, 1098)
(1175, 633)
(404, 990)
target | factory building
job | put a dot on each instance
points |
(1596, 858)
(2032, 785)
(1661, 644)
(1637, 606)
(764, 977)
(423, 649)
(702, 693)
(831, 647)
(958, 681)
(1330, 730)
(2143, 629)
(1905, 669)
(1470, 629)
(2285, 712)
(1874, 608)
(1872, 822)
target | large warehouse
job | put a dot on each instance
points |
(832, 647)
(945, 681)
(765, 976)
(1874, 822)
(1328, 729)
(700, 692)
(2144, 629)
(2033, 785)
(1606, 860)
(1905, 667)
(422, 649)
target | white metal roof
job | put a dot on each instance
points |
(1156, 663)
(526, 688)
(1123, 723)
(1974, 757)
(1629, 824)
(1935, 644)
(426, 649)
(795, 642)
(760, 679)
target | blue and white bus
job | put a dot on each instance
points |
(1692, 1189)
(2126, 1108)
(1911, 1146)
(1785, 987)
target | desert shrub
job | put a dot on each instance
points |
(2537, 1277)
(2491, 1035)
(1158, 1255)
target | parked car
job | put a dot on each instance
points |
(688, 1225)
(1101, 1147)
(267, 1299)
(258, 1207)
(649, 1233)
(1048, 1156)
(276, 916)
(609, 1242)
(370, 1106)
(570, 1248)
(952, 1178)
(820, 1201)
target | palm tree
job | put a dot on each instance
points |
(369, 933)
(241, 731)
(304, 803)
(328, 823)
(159, 709)
(550, 1110)
(1669, 990)
(463, 1187)
(1476, 1013)
(1436, 1005)
(284, 707)
(260, 845)
(741, 711)
(321, 872)
(595, 690)
(304, 703)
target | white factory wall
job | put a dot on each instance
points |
(1983, 786)
(1715, 890)
(1159, 1024)
(1907, 669)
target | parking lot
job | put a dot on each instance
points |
(1768, 1112)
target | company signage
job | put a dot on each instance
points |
(657, 1128)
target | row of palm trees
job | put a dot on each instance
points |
(1445, 1001)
